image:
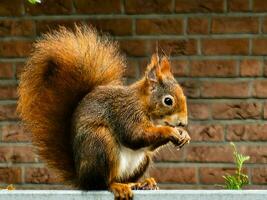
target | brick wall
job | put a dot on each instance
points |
(218, 50)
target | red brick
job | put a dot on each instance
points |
(246, 132)
(169, 153)
(259, 175)
(265, 68)
(8, 112)
(97, 6)
(225, 46)
(259, 46)
(19, 69)
(177, 47)
(8, 91)
(265, 111)
(179, 67)
(259, 6)
(199, 111)
(198, 25)
(260, 88)
(113, 26)
(225, 89)
(174, 175)
(170, 47)
(209, 132)
(148, 6)
(209, 175)
(238, 5)
(135, 47)
(250, 68)
(210, 68)
(15, 48)
(6, 70)
(159, 26)
(14, 133)
(49, 7)
(185, 187)
(191, 88)
(199, 6)
(44, 26)
(17, 154)
(143, 63)
(131, 70)
(257, 154)
(234, 25)
(40, 175)
(242, 110)
(43, 187)
(10, 175)
(216, 153)
(11, 8)
(16, 28)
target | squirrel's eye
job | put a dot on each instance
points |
(168, 100)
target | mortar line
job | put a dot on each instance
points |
(185, 26)
(122, 4)
(174, 57)
(205, 164)
(225, 6)
(173, 6)
(119, 15)
(250, 5)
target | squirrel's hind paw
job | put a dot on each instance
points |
(121, 191)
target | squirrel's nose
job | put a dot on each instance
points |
(176, 120)
(181, 124)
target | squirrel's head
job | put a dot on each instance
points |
(166, 100)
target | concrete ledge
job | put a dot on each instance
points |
(138, 195)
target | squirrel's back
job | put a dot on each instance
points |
(64, 67)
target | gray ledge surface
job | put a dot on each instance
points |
(138, 195)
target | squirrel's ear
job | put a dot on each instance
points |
(165, 66)
(153, 73)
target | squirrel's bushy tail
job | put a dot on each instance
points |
(64, 66)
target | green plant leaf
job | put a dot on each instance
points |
(238, 180)
(34, 1)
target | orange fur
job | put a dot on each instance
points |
(62, 69)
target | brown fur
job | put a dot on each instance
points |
(82, 117)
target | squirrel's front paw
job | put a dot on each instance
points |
(180, 137)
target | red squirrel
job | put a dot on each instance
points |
(94, 131)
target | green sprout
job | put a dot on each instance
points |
(239, 179)
(34, 1)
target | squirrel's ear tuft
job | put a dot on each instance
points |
(153, 73)
(165, 66)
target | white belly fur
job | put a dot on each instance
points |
(130, 160)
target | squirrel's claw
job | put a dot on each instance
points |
(147, 184)
(180, 137)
